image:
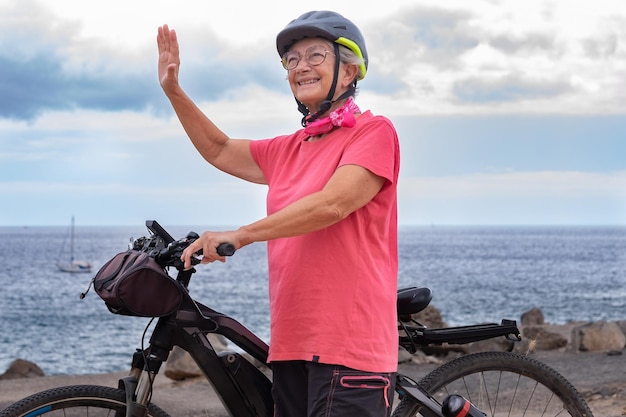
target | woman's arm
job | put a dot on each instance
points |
(232, 156)
(350, 188)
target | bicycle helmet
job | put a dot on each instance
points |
(328, 25)
(335, 28)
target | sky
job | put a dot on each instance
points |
(508, 113)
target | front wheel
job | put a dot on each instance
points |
(501, 384)
(76, 401)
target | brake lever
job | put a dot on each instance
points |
(170, 255)
(173, 252)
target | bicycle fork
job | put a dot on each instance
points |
(138, 384)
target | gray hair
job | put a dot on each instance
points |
(347, 56)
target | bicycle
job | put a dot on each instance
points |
(493, 382)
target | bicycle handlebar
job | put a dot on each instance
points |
(225, 249)
(167, 251)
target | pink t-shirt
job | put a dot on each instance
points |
(333, 291)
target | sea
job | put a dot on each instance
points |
(477, 274)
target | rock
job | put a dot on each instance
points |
(404, 355)
(420, 358)
(180, 365)
(430, 317)
(533, 317)
(498, 344)
(21, 368)
(598, 336)
(542, 339)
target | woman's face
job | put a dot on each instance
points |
(310, 83)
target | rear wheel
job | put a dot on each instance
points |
(76, 401)
(501, 384)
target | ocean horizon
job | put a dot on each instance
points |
(478, 274)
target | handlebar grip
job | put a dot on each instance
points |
(225, 249)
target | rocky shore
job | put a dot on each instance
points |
(591, 355)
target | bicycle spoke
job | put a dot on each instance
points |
(502, 384)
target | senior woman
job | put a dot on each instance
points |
(331, 224)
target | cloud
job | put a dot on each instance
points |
(549, 197)
(514, 87)
(220, 202)
(55, 68)
(542, 57)
(519, 184)
(431, 35)
(45, 65)
(525, 44)
(529, 103)
(43, 82)
(39, 84)
(415, 43)
(425, 58)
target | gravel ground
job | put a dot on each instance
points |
(599, 376)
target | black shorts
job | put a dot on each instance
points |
(307, 389)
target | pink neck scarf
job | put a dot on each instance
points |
(343, 116)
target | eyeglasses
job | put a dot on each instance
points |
(314, 56)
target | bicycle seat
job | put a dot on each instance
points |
(412, 300)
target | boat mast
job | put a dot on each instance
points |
(72, 242)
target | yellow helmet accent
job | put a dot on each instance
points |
(351, 45)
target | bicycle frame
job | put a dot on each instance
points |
(245, 391)
(243, 388)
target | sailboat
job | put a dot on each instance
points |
(72, 265)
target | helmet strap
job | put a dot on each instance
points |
(328, 103)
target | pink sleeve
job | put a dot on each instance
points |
(375, 147)
(265, 152)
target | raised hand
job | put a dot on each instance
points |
(169, 59)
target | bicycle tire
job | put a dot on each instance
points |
(76, 401)
(503, 384)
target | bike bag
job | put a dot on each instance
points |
(133, 284)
